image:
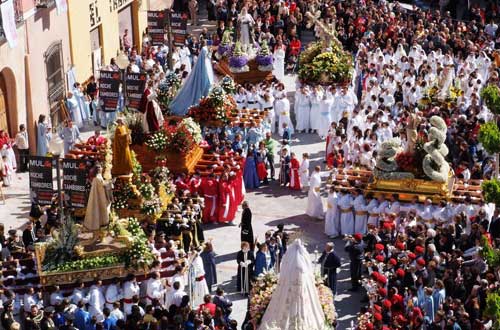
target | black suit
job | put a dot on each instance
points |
(242, 270)
(356, 252)
(28, 237)
(246, 227)
(330, 261)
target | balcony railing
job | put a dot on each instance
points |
(18, 15)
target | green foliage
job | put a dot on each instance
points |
(491, 96)
(90, 263)
(489, 254)
(61, 249)
(491, 191)
(136, 166)
(489, 136)
(492, 309)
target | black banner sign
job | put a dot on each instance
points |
(136, 83)
(75, 174)
(178, 22)
(109, 89)
(156, 27)
(41, 182)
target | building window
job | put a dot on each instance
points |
(18, 14)
(55, 81)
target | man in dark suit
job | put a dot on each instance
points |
(220, 300)
(29, 235)
(330, 261)
(356, 249)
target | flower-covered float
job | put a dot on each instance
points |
(217, 108)
(420, 169)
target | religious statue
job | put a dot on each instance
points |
(245, 28)
(122, 161)
(326, 31)
(98, 207)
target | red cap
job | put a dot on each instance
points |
(387, 225)
(387, 303)
(382, 292)
(419, 249)
(377, 317)
(380, 258)
(397, 299)
(369, 326)
(377, 308)
(400, 272)
(379, 247)
(400, 246)
(421, 261)
(393, 261)
(401, 319)
(382, 279)
(358, 237)
(375, 275)
(411, 255)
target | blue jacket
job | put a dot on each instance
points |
(260, 263)
(82, 319)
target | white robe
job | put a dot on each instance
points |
(112, 295)
(315, 116)
(279, 63)
(154, 290)
(302, 108)
(96, 302)
(200, 288)
(332, 216)
(360, 220)
(326, 120)
(314, 202)
(282, 108)
(304, 172)
(130, 289)
(185, 58)
(346, 215)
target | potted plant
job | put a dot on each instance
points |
(239, 60)
(264, 58)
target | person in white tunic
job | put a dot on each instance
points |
(279, 60)
(130, 289)
(346, 215)
(324, 108)
(332, 215)
(96, 301)
(185, 58)
(282, 108)
(246, 22)
(302, 108)
(360, 212)
(74, 110)
(241, 98)
(267, 104)
(154, 288)
(304, 171)
(200, 288)
(295, 303)
(314, 202)
(315, 116)
(113, 294)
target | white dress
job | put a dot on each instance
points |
(295, 303)
(245, 21)
(185, 58)
(304, 172)
(314, 202)
(302, 110)
(332, 225)
(74, 111)
(346, 215)
(279, 63)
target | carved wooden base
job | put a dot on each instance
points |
(253, 76)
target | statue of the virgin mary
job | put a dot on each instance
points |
(295, 303)
(245, 28)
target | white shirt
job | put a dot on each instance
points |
(21, 140)
(174, 297)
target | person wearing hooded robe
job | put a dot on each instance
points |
(153, 118)
(315, 113)
(43, 136)
(332, 215)
(250, 176)
(325, 105)
(302, 108)
(314, 202)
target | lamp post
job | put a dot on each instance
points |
(122, 61)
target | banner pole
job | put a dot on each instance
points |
(59, 188)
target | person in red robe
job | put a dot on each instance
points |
(97, 139)
(180, 183)
(195, 183)
(294, 173)
(210, 191)
(147, 108)
(225, 193)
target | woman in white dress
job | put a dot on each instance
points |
(332, 215)
(241, 98)
(267, 104)
(185, 58)
(246, 22)
(304, 171)
(200, 288)
(279, 60)
(315, 116)
(74, 110)
(302, 109)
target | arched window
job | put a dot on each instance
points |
(55, 80)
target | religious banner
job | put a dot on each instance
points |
(75, 179)
(9, 22)
(62, 6)
(136, 83)
(178, 22)
(41, 181)
(156, 27)
(109, 89)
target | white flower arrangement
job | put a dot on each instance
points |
(194, 128)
